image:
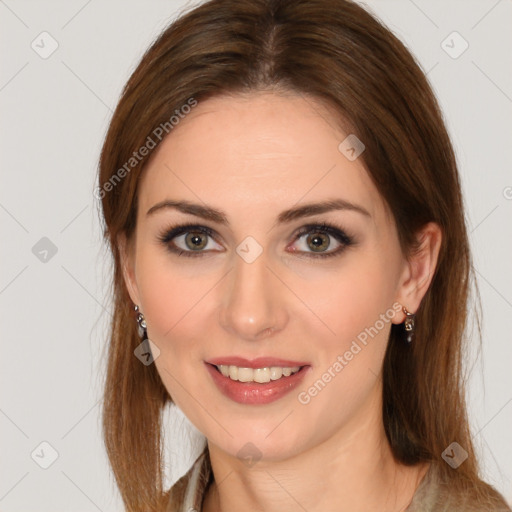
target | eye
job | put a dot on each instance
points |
(188, 240)
(319, 238)
(193, 240)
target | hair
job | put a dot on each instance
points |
(334, 52)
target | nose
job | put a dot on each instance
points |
(253, 306)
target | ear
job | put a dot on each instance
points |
(419, 269)
(127, 256)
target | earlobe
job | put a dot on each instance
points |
(126, 253)
(420, 268)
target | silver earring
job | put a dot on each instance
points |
(141, 323)
(410, 325)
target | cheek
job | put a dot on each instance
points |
(356, 297)
(177, 302)
(357, 305)
(177, 305)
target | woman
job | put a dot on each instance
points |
(291, 268)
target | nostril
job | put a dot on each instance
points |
(267, 332)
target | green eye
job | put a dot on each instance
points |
(320, 238)
(196, 240)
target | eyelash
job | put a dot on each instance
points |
(324, 228)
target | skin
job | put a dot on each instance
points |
(253, 156)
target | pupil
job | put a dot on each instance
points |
(318, 242)
(196, 241)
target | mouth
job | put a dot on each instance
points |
(259, 375)
(253, 383)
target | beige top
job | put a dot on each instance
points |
(187, 494)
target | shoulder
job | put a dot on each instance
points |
(436, 495)
(187, 493)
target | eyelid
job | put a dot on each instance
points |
(324, 227)
(330, 228)
(174, 231)
(178, 229)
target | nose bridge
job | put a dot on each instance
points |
(253, 304)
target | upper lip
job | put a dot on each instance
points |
(259, 362)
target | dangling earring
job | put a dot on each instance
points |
(410, 325)
(141, 323)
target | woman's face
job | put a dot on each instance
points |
(249, 282)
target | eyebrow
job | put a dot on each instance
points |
(286, 216)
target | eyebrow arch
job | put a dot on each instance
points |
(297, 212)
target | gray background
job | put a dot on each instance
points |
(55, 307)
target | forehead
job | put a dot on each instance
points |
(261, 150)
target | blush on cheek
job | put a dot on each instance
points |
(358, 317)
(166, 298)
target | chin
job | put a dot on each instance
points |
(261, 442)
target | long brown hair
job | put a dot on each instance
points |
(336, 52)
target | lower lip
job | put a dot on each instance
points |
(254, 392)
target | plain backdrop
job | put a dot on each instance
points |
(54, 269)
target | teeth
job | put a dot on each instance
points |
(261, 375)
(276, 373)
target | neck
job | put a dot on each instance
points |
(352, 471)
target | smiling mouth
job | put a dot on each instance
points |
(259, 385)
(261, 375)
